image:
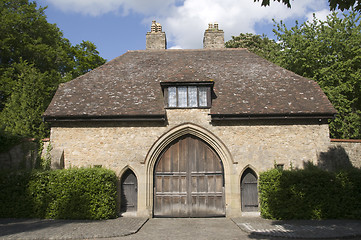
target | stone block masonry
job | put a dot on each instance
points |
(213, 37)
(260, 145)
(343, 153)
(255, 144)
(21, 156)
(156, 38)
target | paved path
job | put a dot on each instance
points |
(130, 228)
(34, 229)
(189, 228)
(301, 229)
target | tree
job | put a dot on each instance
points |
(329, 52)
(34, 59)
(86, 58)
(21, 115)
(25, 34)
(334, 4)
(260, 45)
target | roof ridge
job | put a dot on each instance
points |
(187, 50)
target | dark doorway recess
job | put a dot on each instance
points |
(249, 191)
(129, 192)
(189, 180)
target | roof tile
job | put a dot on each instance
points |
(244, 84)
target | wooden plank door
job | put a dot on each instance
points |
(249, 191)
(188, 180)
(129, 192)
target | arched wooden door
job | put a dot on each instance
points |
(129, 192)
(249, 191)
(188, 180)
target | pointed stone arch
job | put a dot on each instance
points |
(175, 133)
(191, 129)
(249, 166)
(124, 169)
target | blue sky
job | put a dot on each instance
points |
(116, 26)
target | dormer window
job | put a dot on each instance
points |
(187, 95)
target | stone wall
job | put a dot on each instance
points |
(21, 156)
(260, 144)
(255, 144)
(341, 154)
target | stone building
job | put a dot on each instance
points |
(188, 131)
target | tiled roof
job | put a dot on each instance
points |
(244, 84)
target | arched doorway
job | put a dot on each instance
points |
(188, 180)
(249, 191)
(129, 192)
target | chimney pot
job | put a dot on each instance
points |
(153, 28)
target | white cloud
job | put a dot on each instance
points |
(185, 21)
(320, 15)
(176, 47)
(186, 24)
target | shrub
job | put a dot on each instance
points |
(310, 194)
(14, 196)
(85, 193)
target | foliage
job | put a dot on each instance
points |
(31, 95)
(7, 140)
(34, 56)
(329, 52)
(310, 193)
(26, 34)
(61, 194)
(45, 161)
(260, 45)
(85, 58)
(14, 196)
(334, 4)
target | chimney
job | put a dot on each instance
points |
(156, 39)
(213, 37)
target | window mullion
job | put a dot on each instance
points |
(208, 97)
(176, 92)
(197, 97)
(187, 97)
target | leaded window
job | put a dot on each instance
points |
(187, 95)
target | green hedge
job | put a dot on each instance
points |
(84, 193)
(310, 194)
